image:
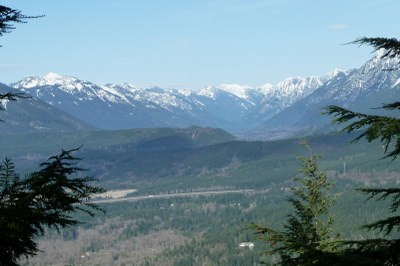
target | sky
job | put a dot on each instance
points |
(192, 43)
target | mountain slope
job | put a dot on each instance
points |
(33, 115)
(288, 108)
(168, 159)
(115, 106)
(29, 149)
(360, 90)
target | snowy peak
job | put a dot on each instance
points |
(285, 93)
(56, 79)
(50, 79)
(384, 54)
(372, 77)
(236, 89)
(336, 72)
(381, 63)
(209, 91)
(358, 89)
(233, 107)
(294, 86)
(121, 87)
(111, 106)
(299, 86)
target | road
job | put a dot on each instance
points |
(174, 195)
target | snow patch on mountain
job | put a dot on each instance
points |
(289, 90)
(226, 105)
(50, 79)
(209, 91)
(236, 89)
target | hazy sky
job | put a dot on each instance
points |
(192, 43)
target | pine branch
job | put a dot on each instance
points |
(55, 194)
(386, 225)
(379, 251)
(391, 45)
(387, 129)
(389, 224)
(391, 106)
(9, 16)
(12, 96)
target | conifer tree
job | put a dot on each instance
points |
(8, 18)
(307, 238)
(46, 198)
(384, 251)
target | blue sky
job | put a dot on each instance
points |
(192, 43)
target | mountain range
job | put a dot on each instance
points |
(31, 115)
(118, 106)
(287, 108)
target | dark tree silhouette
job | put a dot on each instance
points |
(46, 198)
(8, 18)
(384, 251)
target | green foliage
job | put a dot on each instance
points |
(387, 129)
(204, 230)
(389, 224)
(124, 158)
(8, 177)
(307, 238)
(210, 229)
(381, 251)
(46, 198)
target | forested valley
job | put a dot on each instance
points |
(201, 230)
(304, 193)
(208, 229)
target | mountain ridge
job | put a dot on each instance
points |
(290, 107)
(113, 106)
(360, 90)
(32, 115)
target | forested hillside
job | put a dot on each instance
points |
(165, 160)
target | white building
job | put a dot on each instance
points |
(249, 245)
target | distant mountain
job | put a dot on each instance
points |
(291, 107)
(33, 115)
(360, 90)
(117, 106)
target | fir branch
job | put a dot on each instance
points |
(9, 16)
(391, 45)
(386, 129)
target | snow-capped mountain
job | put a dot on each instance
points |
(33, 115)
(290, 106)
(360, 89)
(112, 106)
